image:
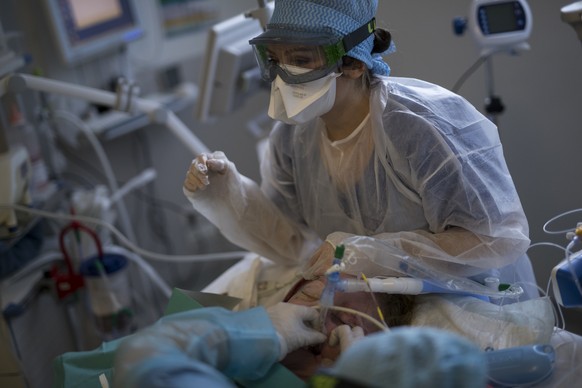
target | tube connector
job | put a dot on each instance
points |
(327, 295)
(333, 278)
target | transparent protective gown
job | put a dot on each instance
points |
(422, 179)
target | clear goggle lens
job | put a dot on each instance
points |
(295, 63)
(320, 54)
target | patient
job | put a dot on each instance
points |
(396, 309)
(209, 347)
(486, 324)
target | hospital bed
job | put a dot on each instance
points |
(257, 281)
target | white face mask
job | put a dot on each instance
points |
(300, 103)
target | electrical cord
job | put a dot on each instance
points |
(545, 227)
(373, 320)
(104, 160)
(126, 242)
(574, 235)
(157, 218)
(469, 72)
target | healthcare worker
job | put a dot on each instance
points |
(214, 347)
(207, 347)
(395, 169)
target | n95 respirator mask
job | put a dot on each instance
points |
(299, 103)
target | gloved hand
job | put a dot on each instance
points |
(201, 167)
(294, 325)
(345, 336)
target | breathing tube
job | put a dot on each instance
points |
(333, 280)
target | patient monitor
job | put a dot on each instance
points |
(500, 24)
(230, 73)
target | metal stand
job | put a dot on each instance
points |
(493, 104)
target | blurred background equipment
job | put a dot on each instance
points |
(572, 14)
(496, 26)
(120, 172)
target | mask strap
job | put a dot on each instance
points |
(356, 37)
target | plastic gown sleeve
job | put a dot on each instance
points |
(198, 348)
(246, 217)
(446, 252)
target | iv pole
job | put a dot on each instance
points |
(493, 104)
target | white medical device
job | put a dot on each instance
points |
(572, 14)
(15, 172)
(498, 25)
(566, 279)
(231, 73)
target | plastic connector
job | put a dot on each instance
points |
(327, 295)
(333, 279)
(331, 286)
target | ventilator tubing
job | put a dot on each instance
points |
(408, 286)
(393, 285)
(392, 258)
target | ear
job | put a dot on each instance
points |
(354, 70)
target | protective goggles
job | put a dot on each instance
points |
(299, 57)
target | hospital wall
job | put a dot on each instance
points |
(541, 127)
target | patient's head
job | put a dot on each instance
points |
(397, 311)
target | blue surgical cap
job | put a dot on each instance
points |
(336, 18)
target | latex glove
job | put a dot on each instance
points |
(295, 326)
(197, 176)
(345, 336)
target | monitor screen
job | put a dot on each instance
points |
(87, 28)
(501, 18)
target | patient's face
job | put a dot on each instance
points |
(306, 361)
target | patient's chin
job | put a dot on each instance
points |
(329, 354)
(305, 362)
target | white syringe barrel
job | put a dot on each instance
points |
(409, 286)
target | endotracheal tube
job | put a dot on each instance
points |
(333, 279)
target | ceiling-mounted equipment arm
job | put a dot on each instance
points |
(572, 14)
(156, 112)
